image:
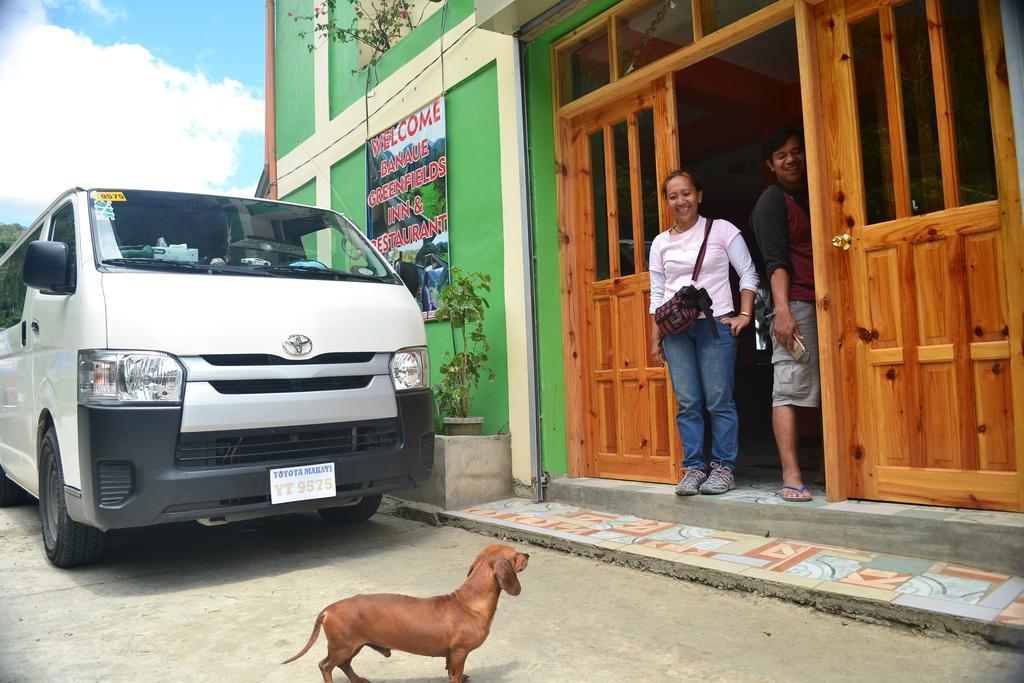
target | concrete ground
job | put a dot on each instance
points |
(190, 603)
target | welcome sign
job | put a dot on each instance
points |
(407, 199)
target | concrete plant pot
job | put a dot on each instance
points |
(463, 426)
(467, 470)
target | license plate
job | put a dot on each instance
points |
(305, 482)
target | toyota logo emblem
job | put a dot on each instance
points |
(297, 345)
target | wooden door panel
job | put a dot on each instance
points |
(607, 418)
(889, 398)
(632, 317)
(992, 401)
(935, 302)
(954, 488)
(659, 397)
(940, 410)
(986, 292)
(634, 421)
(604, 338)
(884, 296)
(932, 292)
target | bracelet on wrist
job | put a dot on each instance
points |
(744, 313)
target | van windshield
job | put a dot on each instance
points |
(224, 235)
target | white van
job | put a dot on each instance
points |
(195, 357)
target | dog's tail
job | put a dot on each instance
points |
(312, 638)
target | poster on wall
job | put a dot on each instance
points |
(407, 200)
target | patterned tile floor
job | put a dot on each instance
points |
(753, 487)
(921, 584)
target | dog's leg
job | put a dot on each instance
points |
(353, 677)
(341, 658)
(345, 665)
(456, 665)
(326, 666)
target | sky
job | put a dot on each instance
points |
(157, 94)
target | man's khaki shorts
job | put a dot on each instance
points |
(798, 382)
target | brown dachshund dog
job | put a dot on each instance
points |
(449, 626)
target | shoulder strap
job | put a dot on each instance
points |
(703, 248)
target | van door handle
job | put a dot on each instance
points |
(35, 326)
(24, 334)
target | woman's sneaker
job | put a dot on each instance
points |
(690, 485)
(719, 481)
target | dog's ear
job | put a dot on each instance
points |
(506, 575)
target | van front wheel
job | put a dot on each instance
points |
(67, 543)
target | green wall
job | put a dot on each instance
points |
(293, 78)
(476, 238)
(547, 285)
(347, 87)
(475, 219)
(303, 195)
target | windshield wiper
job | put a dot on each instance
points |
(321, 273)
(185, 265)
(182, 265)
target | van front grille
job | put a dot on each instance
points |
(242, 359)
(196, 450)
(283, 386)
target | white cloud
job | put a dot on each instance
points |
(77, 113)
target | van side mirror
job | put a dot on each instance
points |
(46, 267)
(410, 275)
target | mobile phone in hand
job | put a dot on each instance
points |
(797, 349)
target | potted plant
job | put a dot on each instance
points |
(463, 304)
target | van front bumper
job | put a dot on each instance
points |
(134, 473)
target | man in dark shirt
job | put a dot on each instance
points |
(782, 226)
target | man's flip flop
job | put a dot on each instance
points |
(795, 499)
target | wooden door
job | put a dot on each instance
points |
(618, 155)
(924, 201)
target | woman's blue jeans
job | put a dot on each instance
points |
(703, 372)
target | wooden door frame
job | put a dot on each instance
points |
(827, 276)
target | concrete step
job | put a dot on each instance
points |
(858, 584)
(992, 541)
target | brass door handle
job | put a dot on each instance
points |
(843, 241)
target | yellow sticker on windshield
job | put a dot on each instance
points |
(109, 196)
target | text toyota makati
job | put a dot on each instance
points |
(168, 356)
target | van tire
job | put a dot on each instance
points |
(10, 493)
(67, 543)
(360, 512)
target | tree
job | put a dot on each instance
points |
(377, 24)
(9, 234)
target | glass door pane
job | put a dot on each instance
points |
(965, 59)
(599, 196)
(919, 119)
(873, 119)
(624, 199)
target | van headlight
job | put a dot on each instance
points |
(410, 368)
(113, 377)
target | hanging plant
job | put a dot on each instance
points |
(377, 24)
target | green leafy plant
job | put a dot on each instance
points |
(463, 304)
(377, 24)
